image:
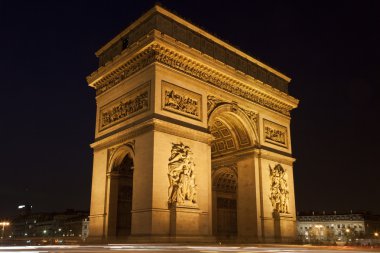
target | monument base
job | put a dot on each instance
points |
(170, 239)
(184, 220)
(284, 227)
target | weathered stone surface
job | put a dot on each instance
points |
(207, 148)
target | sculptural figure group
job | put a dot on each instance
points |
(279, 193)
(181, 175)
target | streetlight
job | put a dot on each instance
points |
(4, 224)
(348, 235)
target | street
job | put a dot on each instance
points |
(181, 248)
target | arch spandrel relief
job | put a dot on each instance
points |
(213, 102)
(181, 173)
(279, 190)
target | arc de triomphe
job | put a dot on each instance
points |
(192, 139)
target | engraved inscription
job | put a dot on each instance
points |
(275, 133)
(131, 104)
(179, 100)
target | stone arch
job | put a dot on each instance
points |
(120, 191)
(232, 129)
(224, 188)
(224, 179)
(119, 153)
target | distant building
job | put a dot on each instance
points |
(37, 228)
(334, 227)
(24, 209)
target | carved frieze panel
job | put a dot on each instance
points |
(279, 190)
(182, 101)
(181, 173)
(125, 107)
(275, 133)
(157, 53)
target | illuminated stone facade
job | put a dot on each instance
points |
(192, 139)
(338, 228)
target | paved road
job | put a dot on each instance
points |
(118, 248)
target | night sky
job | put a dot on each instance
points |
(330, 49)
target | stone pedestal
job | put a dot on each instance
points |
(184, 220)
(284, 227)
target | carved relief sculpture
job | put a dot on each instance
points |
(129, 105)
(181, 174)
(275, 133)
(252, 116)
(213, 102)
(279, 192)
(158, 53)
(179, 100)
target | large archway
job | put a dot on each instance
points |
(233, 132)
(232, 129)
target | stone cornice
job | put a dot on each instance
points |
(109, 76)
(155, 52)
(275, 156)
(181, 131)
(151, 125)
(179, 20)
(123, 136)
(205, 61)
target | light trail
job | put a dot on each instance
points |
(178, 248)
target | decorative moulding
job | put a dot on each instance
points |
(158, 53)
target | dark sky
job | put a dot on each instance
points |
(330, 49)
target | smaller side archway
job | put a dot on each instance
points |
(224, 207)
(120, 192)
